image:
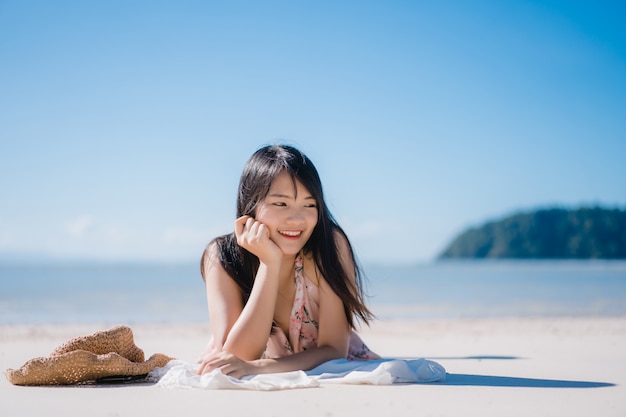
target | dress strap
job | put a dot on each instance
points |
(295, 319)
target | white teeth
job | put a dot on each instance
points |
(290, 233)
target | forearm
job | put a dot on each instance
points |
(248, 336)
(304, 360)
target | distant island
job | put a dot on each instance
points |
(553, 233)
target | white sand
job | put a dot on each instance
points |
(497, 367)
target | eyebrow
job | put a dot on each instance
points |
(279, 195)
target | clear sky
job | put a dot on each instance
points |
(124, 125)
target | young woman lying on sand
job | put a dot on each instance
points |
(284, 288)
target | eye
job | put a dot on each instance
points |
(279, 204)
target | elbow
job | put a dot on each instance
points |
(336, 347)
(334, 352)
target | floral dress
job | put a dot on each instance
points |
(304, 325)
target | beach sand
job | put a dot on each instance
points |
(496, 367)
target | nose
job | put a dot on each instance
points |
(296, 217)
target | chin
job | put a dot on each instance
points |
(291, 251)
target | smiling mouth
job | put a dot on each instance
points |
(291, 233)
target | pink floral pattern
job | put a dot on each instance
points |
(304, 325)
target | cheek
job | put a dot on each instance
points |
(267, 217)
(260, 213)
(312, 219)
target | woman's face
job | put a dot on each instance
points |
(290, 213)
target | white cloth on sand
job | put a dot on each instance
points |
(180, 374)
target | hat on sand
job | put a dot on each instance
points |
(110, 353)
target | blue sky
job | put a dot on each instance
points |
(124, 125)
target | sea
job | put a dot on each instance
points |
(67, 292)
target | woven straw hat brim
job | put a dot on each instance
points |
(80, 366)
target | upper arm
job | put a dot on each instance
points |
(223, 295)
(334, 329)
(346, 258)
(333, 326)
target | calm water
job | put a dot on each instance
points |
(131, 293)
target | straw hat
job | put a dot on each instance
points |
(88, 358)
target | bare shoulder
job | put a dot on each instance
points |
(219, 284)
(342, 242)
(346, 256)
(210, 262)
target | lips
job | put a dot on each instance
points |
(290, 233)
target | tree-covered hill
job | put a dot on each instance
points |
(547, 233)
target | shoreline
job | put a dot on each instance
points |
(496, 366)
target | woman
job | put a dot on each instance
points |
(283, 289)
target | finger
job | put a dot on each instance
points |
(211, 368)
(251, 225)
(204, 368)
(216, 362)
(263, 231)
(226, 369)
(240, 224)
(253, 228)
(232, 370)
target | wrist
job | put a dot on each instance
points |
(271, 263)
(262, 366)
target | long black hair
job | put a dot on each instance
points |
(261, 169)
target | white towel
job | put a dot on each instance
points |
(179, 374)
(379, 371)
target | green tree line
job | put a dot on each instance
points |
(554, 233)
